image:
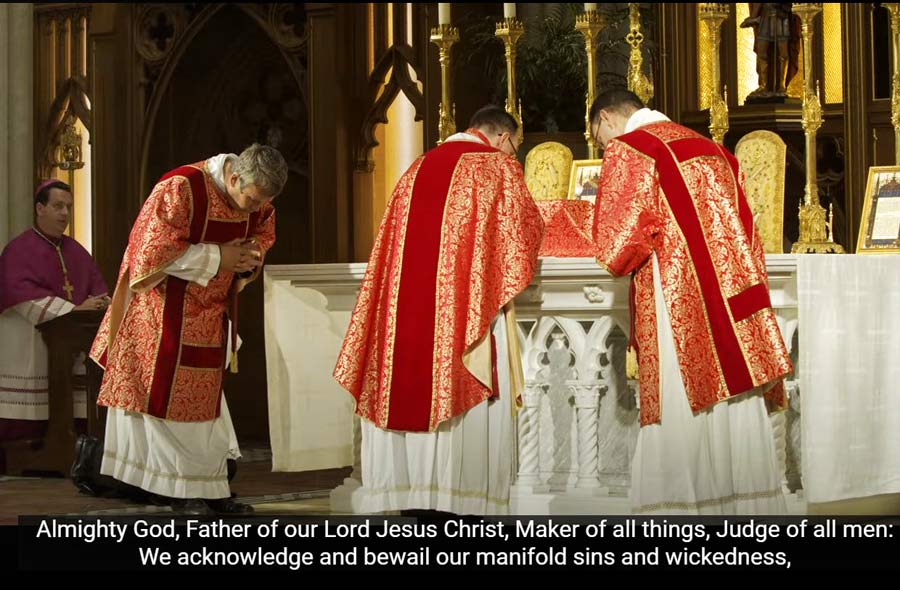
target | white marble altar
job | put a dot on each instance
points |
(578, 429)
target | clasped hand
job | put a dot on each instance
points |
(94, 302)
(240, 256)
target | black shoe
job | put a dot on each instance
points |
(157, 500)
(191, 506)
(228, 506)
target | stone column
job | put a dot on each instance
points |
(16, 118)
(587, 402)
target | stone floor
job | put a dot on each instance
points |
(254, 483)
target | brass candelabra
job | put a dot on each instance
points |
(894, 9)
(590, 24)
(814, 237)
(444, 36)
(714, 14)
(510, 30)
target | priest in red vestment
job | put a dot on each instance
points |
(423, 356)
(44, 274)
(199, 239)
(671, 212)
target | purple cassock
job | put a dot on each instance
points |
(34, 266)
(30, 268)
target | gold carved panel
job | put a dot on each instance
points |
(762, 157)
(547, 168)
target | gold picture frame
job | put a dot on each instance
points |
(879, 227)
(585, 175)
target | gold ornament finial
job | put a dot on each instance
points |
(69, 150)
(637, 81)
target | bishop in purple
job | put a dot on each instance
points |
(43, 275)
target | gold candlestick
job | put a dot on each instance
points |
(637, 81)
(444, 36)
(510, 30)
(813, 233)
(714, 14)
(894, 9)
(590, 25)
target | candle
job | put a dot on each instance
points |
(444, 13)
(590, 7)
(509, 10)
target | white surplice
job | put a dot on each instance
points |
(465, 467)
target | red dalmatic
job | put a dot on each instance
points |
(163, 344)
(667, 190)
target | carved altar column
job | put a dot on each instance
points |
(529, 475)
(587, 404)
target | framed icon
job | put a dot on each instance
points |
(879, 230)
(584, 181)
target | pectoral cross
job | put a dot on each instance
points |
(67, 286)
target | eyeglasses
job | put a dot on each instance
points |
(511, 143)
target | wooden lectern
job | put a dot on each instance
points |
(66, 337)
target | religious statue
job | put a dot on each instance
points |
(777, 47)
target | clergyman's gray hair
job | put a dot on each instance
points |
(264, 167)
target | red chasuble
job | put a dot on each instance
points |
(669, 190)
(163, 344)
(459, 239)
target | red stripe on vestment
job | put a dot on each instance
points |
(167, 354)
(202, 357)
(413, 362)
(749, 301)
